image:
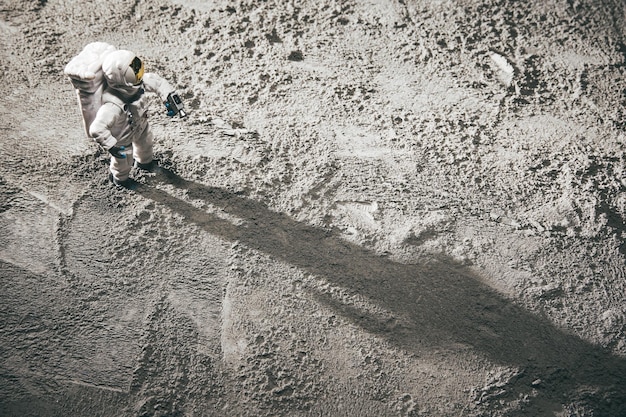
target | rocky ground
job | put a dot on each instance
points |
(374, 208)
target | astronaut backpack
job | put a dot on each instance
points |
(85, 73)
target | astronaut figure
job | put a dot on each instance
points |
(121, 124)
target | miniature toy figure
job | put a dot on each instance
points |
(112, 87)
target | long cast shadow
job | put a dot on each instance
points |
(435, 304)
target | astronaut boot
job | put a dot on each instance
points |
(151, 166)
(127, 183)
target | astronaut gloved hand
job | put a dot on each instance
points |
(174, 105)
(117, 151)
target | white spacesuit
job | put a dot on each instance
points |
(121, 123)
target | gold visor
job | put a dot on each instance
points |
(137, 66)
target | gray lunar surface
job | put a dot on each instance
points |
(374, 208)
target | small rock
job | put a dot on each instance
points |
(296, 56)
(495, 215)
(537, 225)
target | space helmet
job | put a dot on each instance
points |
(123, 70)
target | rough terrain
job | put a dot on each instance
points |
(375, 208)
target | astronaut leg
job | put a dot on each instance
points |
(120, 167)
(143, 151)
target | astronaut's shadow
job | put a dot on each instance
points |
(434, 305)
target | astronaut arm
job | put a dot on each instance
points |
(154, 83)
(173, 103)
(100, 129)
